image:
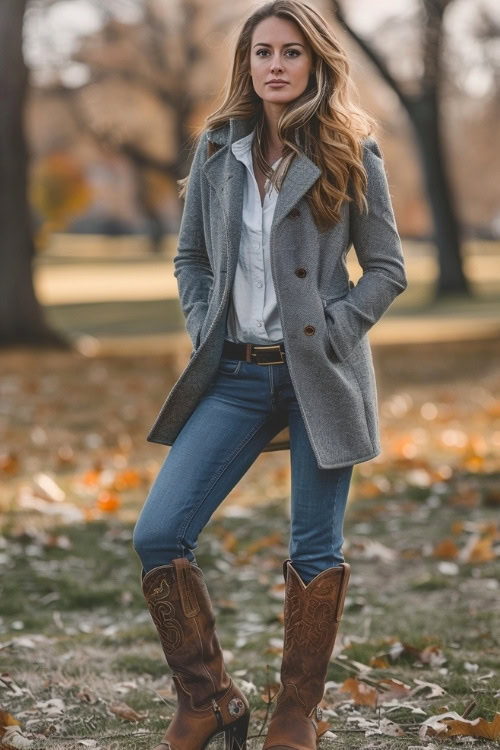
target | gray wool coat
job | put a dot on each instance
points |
(325, 316)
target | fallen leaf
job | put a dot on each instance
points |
(362, 694)
(436, 691)
(270, 692)
(108, 502)
(322, 727)
(13, 737)
(125, 712)
(452, 724)
(446, 549)
(7, 720)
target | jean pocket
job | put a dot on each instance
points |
(229, 366)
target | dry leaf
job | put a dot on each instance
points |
(322, 727)
(446, 549)
(7, 681)
(386, 726)
(393, 688)
(126, 479)
(436, 691)
(52, 707)
(452, 724)
(7, 720)
(379, 662)
(479, 550)
(125, 712)
(432, 655)
(13, 737)
(479, 727)
(108, 502)
(362, 694)
(270, 692)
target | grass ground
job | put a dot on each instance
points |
(77, 639)
(421, 536)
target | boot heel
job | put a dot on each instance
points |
(235, 735)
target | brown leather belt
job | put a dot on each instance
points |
(272, 354)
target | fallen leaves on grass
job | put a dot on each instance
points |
(386, 690)
(452, 724)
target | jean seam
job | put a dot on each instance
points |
(215, 479)
(340, 475)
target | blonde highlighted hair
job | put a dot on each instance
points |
(329, 124)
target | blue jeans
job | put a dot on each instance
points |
(245, 406)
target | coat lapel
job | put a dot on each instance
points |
(227, 176)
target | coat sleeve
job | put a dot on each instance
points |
(378, 248)
(192, 267)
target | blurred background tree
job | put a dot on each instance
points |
(21, 317)
(417, 79)
(117, 89)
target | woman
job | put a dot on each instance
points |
(286, 176)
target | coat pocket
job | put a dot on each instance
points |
(326, 300)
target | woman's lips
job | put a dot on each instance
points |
(277, 85)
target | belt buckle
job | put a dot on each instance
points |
(266, 353)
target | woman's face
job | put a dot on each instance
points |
(279, 50)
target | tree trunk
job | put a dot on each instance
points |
(423, 110)
(426, 122)
(21, 316)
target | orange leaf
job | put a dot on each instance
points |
(457, 527)
(379, 662)
(451, 724)
(322, 727)
(446, 549)
(108, 502)
(270, 692)
(91, 478)
(479, 727)
(393, 688)
(7, 720)
(362, 694)
(125, 712)
(230, 541)
(126, 479)
(9, 463)
(481, 551)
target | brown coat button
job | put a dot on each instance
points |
(309, 330)
(301, 272)
(294, 213)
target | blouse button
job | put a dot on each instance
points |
(294, 213)
(301, 272)
(309, 330)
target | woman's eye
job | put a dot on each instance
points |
(295, 51)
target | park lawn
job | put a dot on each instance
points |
(80, 661)
(77, 639)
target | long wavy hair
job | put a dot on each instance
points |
(325, 122)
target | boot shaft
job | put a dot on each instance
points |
(181, 609)
(312, 615)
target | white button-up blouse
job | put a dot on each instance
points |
(253, 315)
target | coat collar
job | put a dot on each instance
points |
(227, 176)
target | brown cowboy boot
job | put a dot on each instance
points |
(312, 616)
(208, 701)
